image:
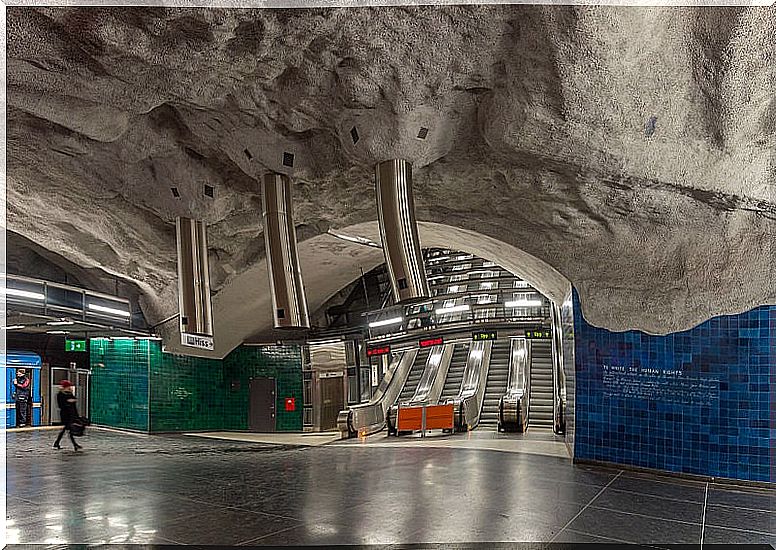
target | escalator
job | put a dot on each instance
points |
(414, 377)
(455, 373)
(496, 387)
(540, 403)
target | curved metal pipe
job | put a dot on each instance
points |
(196, 315)
(285, 276)
(399, 230)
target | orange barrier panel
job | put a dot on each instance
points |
(410, 419)
(440, 417)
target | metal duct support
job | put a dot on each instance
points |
(285, 277)
(196, 315)
(399, 230)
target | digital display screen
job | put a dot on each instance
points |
(371, 352)
(75, 345)
(430, 342)
(490, 335)
(537, 334)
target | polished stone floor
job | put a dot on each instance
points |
(126, 488)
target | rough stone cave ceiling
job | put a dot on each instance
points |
(538, 121)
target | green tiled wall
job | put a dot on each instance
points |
(119, 383)
(188, 393)
(283, 363)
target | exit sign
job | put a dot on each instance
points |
(490, 335)
(75, 345)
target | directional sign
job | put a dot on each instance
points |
(197, 341)
(75, 345)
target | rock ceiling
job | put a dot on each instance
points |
(632, 149)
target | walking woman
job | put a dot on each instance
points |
(67, 412)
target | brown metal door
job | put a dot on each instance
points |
(261, 409)
(332, 402)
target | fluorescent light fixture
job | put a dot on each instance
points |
(57, 332)
(523, 303)
(452, 309)
(121, 338)
(100, 338)
(354, 239)
(110, 310)
(58, 323)
(23, 293)
(147, 338)
(477, 353)
(384, 322)
(12, 327)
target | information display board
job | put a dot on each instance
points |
(487, 335)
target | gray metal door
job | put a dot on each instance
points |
(332, 402)
(261, 410)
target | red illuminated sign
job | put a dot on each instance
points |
(371, 352)
(290, 404)
(430, 342)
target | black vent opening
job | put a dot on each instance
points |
(209, 191)
(184, 320)
(402, 283)
(248, 154)
(281, 313)
(175, 192)
(354, 135)
(288, 159)
(423, 133)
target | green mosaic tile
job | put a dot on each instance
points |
(181, 393)
(119, 383)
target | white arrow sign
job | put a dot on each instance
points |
(196, 341)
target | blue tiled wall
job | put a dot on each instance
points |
(699, 401)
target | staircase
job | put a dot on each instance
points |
(542, 393)
(414, 376)
(455, 373)
(496, 387)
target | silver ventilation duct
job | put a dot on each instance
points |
(285, 277)
(399, 230)
(196, 315)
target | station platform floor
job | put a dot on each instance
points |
(139, 489)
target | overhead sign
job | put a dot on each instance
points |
(428, 342)
(489, 335)
(383, 350)
(196, 341)
(538, 334)
(75, 345)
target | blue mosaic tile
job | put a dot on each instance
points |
(699, 401)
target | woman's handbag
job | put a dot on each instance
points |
(78, 426)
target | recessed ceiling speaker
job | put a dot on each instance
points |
(289, 304)
(175, 192)
(399, 231)
(354, 135)
(248, 154)
(196, 315)
(288, 159)
(423, 133)
(209, 191)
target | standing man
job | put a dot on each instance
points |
(23, 389)
(67, 412)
